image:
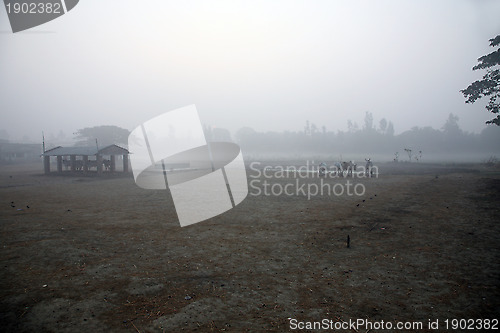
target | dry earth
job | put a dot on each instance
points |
(101, 254)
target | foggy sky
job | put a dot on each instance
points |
(268, 65)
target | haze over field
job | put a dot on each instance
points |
(337, 174)
(267, 65)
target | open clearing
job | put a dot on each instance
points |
(101, 254)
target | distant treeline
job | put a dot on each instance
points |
(372, 139)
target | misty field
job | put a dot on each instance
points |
(97, 254)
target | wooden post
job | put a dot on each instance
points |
(112, 163)
(72, 159)
(59, 163)
(125, 163)
(85, 163)
(99, 163)
(46, 164)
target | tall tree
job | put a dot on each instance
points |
(383, 125)
(489, 85)
(451, 127)
(352, 126)
(105, 135)
(368, 121)
(390, 129)
(307, 128)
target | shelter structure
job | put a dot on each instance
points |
(85, 158)
(19, 152)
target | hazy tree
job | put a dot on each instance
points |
(352, 126)
(489, 85)
(390, 129)
(51, 137)
(4, 135)
(314, 129)
(105, 135)
(61, 136)
(383, 125)
(451, 128)
(426, 138)
(489, 138)
(368, 121)
(245, 133)
(307, 128)
(220, 134)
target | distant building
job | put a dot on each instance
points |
(84, 159)
(19, 152)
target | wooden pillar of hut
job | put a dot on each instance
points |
(99, 163)
(46, 164)
(125, 163)
(112, 163)
(85, 163)
(59, 163)
(72, 159)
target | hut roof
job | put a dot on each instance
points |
(64, 151)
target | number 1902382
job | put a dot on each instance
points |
(34, 8)
(471, 324)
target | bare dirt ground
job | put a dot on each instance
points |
(101, 254)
